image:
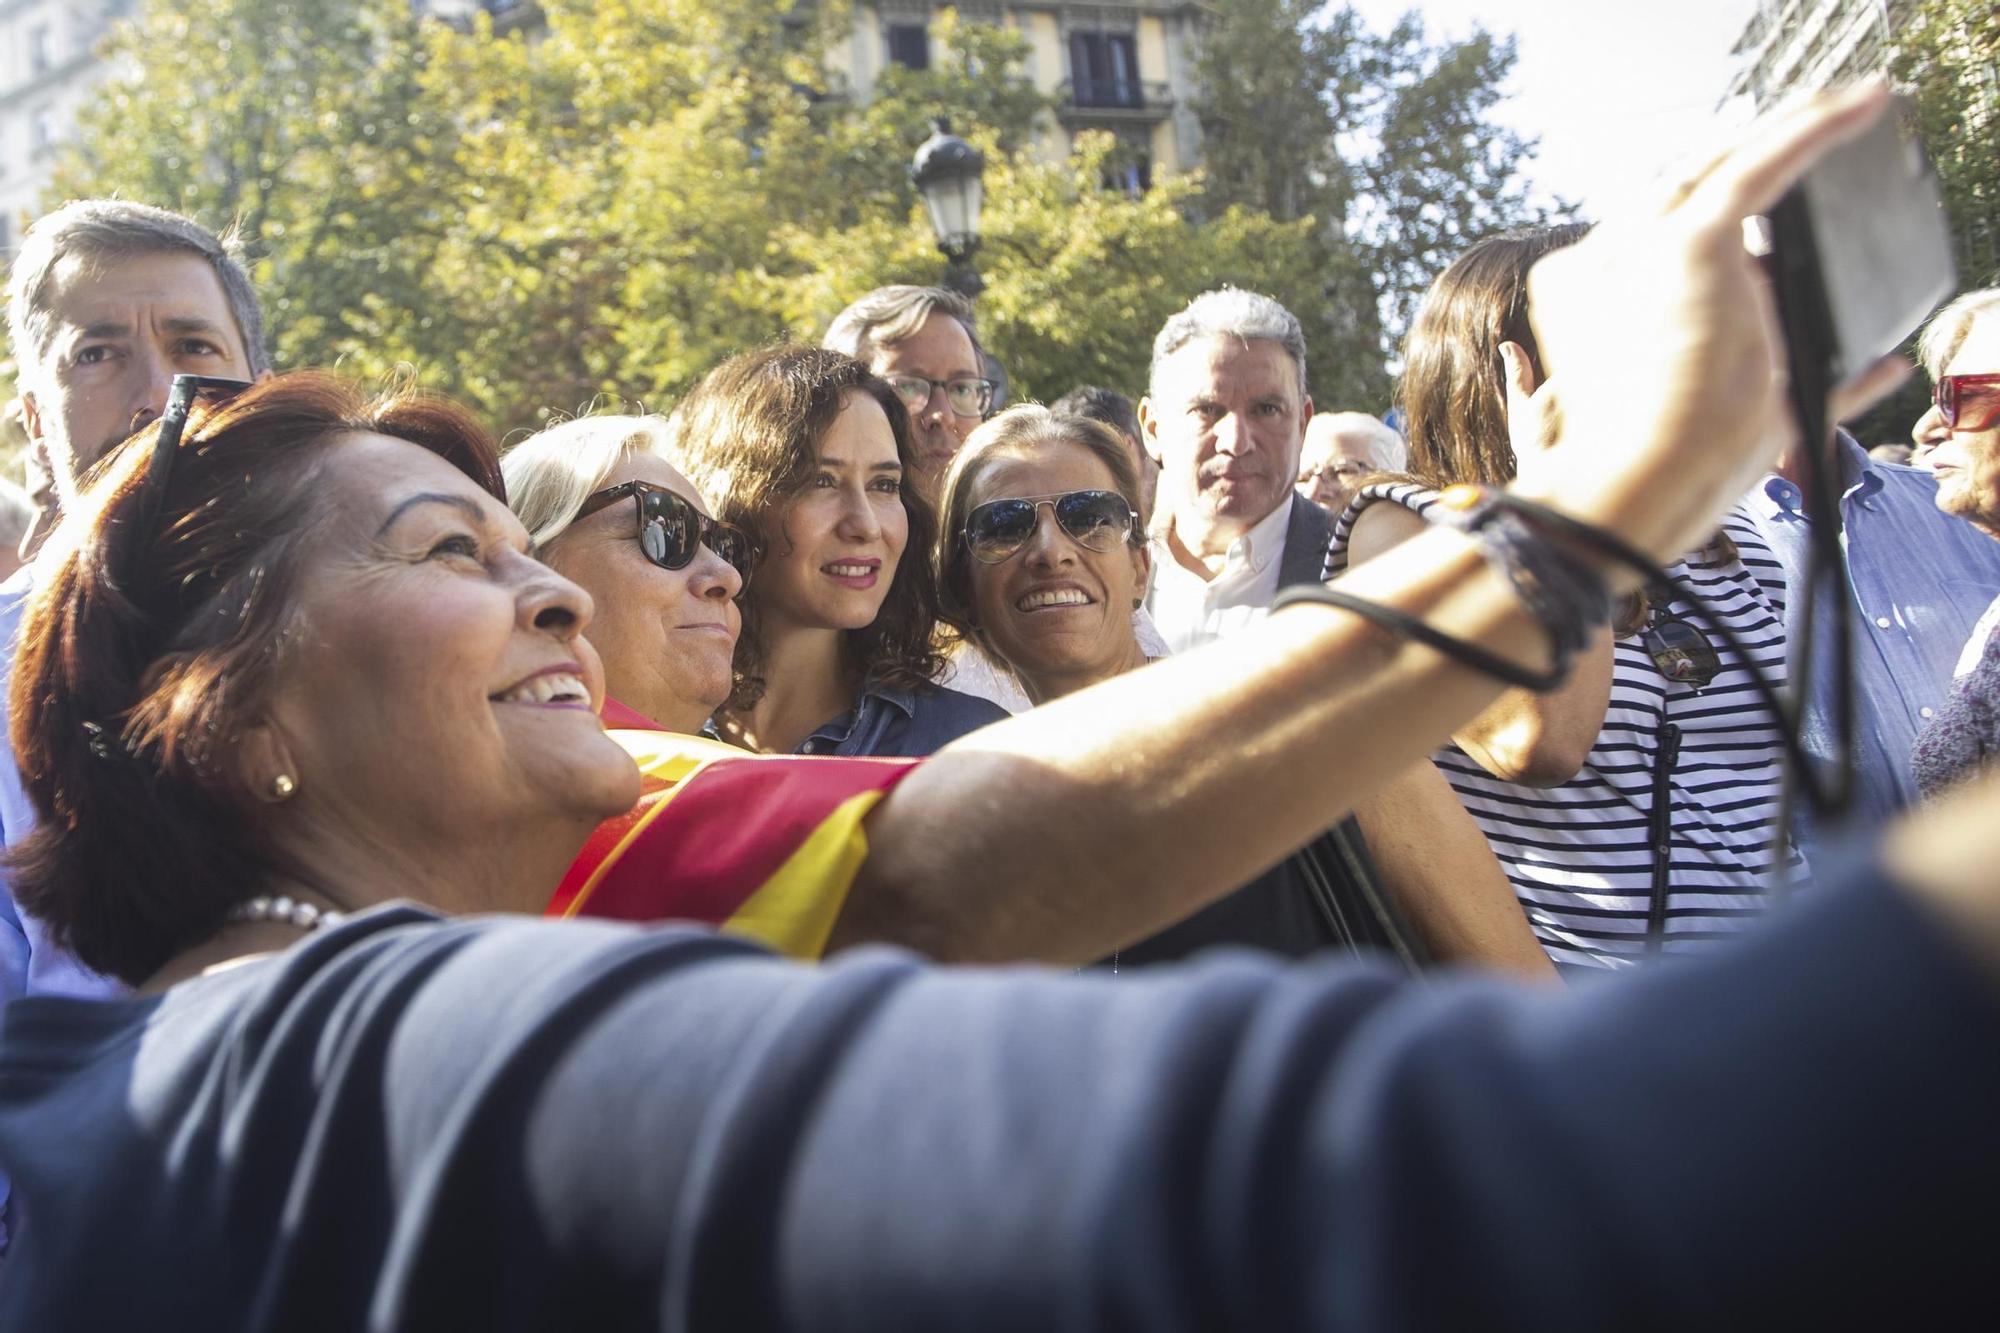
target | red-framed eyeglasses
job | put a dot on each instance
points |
(1968, 402)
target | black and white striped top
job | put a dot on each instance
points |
(1580, 855)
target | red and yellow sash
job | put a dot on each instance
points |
(762, 845)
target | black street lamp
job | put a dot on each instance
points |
(947, 171)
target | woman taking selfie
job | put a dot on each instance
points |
(303, 665)
(805, 450)
(1636, 809)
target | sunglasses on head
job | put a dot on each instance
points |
(1094, 520)
(187, 390)
(671, 529)
(1968, 402)
(1681, 651)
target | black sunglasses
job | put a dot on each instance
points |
(182, 395)
(1681, 651)
(671, 529)
(1095, 520)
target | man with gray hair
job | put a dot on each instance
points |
(1225, 417)
(106, 302)
(1340, 449)
(922, 340)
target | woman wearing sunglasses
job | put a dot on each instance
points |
(605, 508)
(809, 453)
(1958, 439)
(1041, 567)
(1637, 808)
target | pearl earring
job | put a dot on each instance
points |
(283, 786)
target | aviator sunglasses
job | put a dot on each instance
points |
(1681, 651)
(671, 529)
(1094, 520)
(1968, 402)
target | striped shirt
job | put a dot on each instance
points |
(1582, 855)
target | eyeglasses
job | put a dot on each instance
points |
(968, 395)
(182, 395)
(1346, 469)
(1094, 520)
(1681, 651)
(1962, 398)
(671, 528)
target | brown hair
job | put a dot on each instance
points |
(890, 315)
(145, 652)
(749, 435)
(1014, 431)
(1454, 389)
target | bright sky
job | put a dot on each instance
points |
(1615, 90)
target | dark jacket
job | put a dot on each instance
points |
(1323, 896)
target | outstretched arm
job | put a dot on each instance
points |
(1111, 812)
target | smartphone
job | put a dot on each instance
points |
(1861, 250)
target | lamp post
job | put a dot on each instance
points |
(946, 170)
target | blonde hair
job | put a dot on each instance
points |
(550, 474)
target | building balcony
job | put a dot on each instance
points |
(1112, 102)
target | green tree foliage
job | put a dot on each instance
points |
(1386, 139)
(303, 124)
(1948, 57)
(647, 186)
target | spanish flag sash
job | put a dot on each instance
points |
(761, 845)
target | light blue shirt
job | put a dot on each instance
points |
(1921, 581)
(29, 963)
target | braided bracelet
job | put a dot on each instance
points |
(1463, 651)
(1566, 595)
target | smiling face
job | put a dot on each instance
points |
(1057, 612)
(119, 331)
(831, 553)
(667, 636)
(437, 698)
(1226, 421)
(1967, 462)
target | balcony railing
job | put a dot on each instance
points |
(1144, 98)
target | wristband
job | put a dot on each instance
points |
(1565, 594)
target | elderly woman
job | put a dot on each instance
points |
(1635, 809)
(305, 665)
(1958, 439)
(1041, 564)
(1340, 449)
(605, 508)
(806, 450)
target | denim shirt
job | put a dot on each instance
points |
(1921, 581)
(903, 723)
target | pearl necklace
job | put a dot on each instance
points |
(290, 911)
